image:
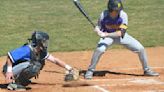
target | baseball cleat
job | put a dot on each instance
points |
(88, 75)
(149, 72)
(16, 87)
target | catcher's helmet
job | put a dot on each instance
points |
(40, 39)
(114, 5)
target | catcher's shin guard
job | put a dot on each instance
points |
(31, 71)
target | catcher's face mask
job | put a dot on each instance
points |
(44, 44)
(40, 39)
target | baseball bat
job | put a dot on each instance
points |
(81, 9)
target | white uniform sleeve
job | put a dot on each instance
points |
(99, 20)
(124, 16)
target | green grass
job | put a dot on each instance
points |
(68, 29)
(146, 21)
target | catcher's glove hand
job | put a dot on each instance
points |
(72, 75)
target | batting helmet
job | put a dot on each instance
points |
(40, 39)
(114, 5)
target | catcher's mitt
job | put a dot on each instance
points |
(72, 75)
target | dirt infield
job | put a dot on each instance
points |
(117, 71)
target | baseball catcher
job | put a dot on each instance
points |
(112, 29)
(25, 62)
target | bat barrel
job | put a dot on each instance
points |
(81, 9)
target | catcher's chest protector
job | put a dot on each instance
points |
(38, 58)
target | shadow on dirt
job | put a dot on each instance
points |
(54, 72)
(77, 84)
(96, 73)
(104, 72)
(46, 84)
(3, 86)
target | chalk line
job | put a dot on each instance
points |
(100, 88)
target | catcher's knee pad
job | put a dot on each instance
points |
(102, 47)
(31, 71)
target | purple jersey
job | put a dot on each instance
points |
(107, 24)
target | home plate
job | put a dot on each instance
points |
(146, 81)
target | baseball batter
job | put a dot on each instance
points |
(112, 27)
(25, 62)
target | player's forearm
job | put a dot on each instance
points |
(114, 34)
(105, 34)
(9, 73)
(59, 62)
(118, 33)
(9, 64)
(62, 64)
